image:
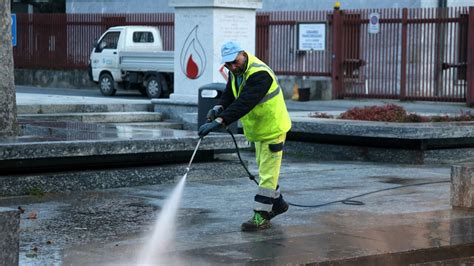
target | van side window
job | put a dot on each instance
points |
(143, 36)
(109, 41)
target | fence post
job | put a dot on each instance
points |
(262, 37)
(403, 70)
(337, 39)
(470, 59)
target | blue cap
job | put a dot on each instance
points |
(229, 51)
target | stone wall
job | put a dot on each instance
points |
(24, 184)
(320, 87)
(73, 79)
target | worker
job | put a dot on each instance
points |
(252, 94)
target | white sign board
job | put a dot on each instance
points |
(374, 23)
(311, 36)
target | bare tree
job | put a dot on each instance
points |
(8, 123)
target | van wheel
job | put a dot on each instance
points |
(107, 84)
(156, 86)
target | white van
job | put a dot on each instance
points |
(132, 58)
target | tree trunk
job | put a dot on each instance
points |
(8, 123)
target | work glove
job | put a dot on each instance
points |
(208, 127)
(214, 112)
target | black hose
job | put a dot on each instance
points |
(350, 201)
(251, 177)
(347, 201)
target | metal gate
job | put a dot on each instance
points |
(411, 54)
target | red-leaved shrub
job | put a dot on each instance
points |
(385, 113)
(392, 113)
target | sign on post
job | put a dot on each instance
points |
(374, 23)
(14, 29)
(311, 36)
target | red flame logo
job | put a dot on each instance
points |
(193, 57)
(191, 68)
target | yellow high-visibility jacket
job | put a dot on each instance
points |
(269, 118)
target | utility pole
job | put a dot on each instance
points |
(8, 122)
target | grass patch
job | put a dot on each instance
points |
(35, 191)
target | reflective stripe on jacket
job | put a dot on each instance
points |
(270, 118)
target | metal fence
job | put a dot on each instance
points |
(418, 54)
(436, 54)
(276, 43)
(64, 41)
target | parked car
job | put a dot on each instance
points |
(132, 58)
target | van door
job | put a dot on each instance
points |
(105, 55)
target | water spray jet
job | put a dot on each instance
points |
(154, 253)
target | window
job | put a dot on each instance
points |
(109, 41)
(143, 36)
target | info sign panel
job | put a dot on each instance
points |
(374, 23)
(13, 29)
(311, 36)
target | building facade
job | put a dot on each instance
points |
(154, 6)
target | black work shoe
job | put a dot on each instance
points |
(279, 206)
(258, 222)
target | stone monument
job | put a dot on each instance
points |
(9, 236)
(8, 125)
(201, 27)
(462, 186)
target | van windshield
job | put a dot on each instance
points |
(109, 41)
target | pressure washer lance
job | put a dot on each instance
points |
(192, 157)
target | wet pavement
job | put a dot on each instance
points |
(110, 227)
(74, 131)
(410, 225)
(28, 95)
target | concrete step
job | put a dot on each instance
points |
(457, 261)
(102, 117)
(82, 108)
(152, 125)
